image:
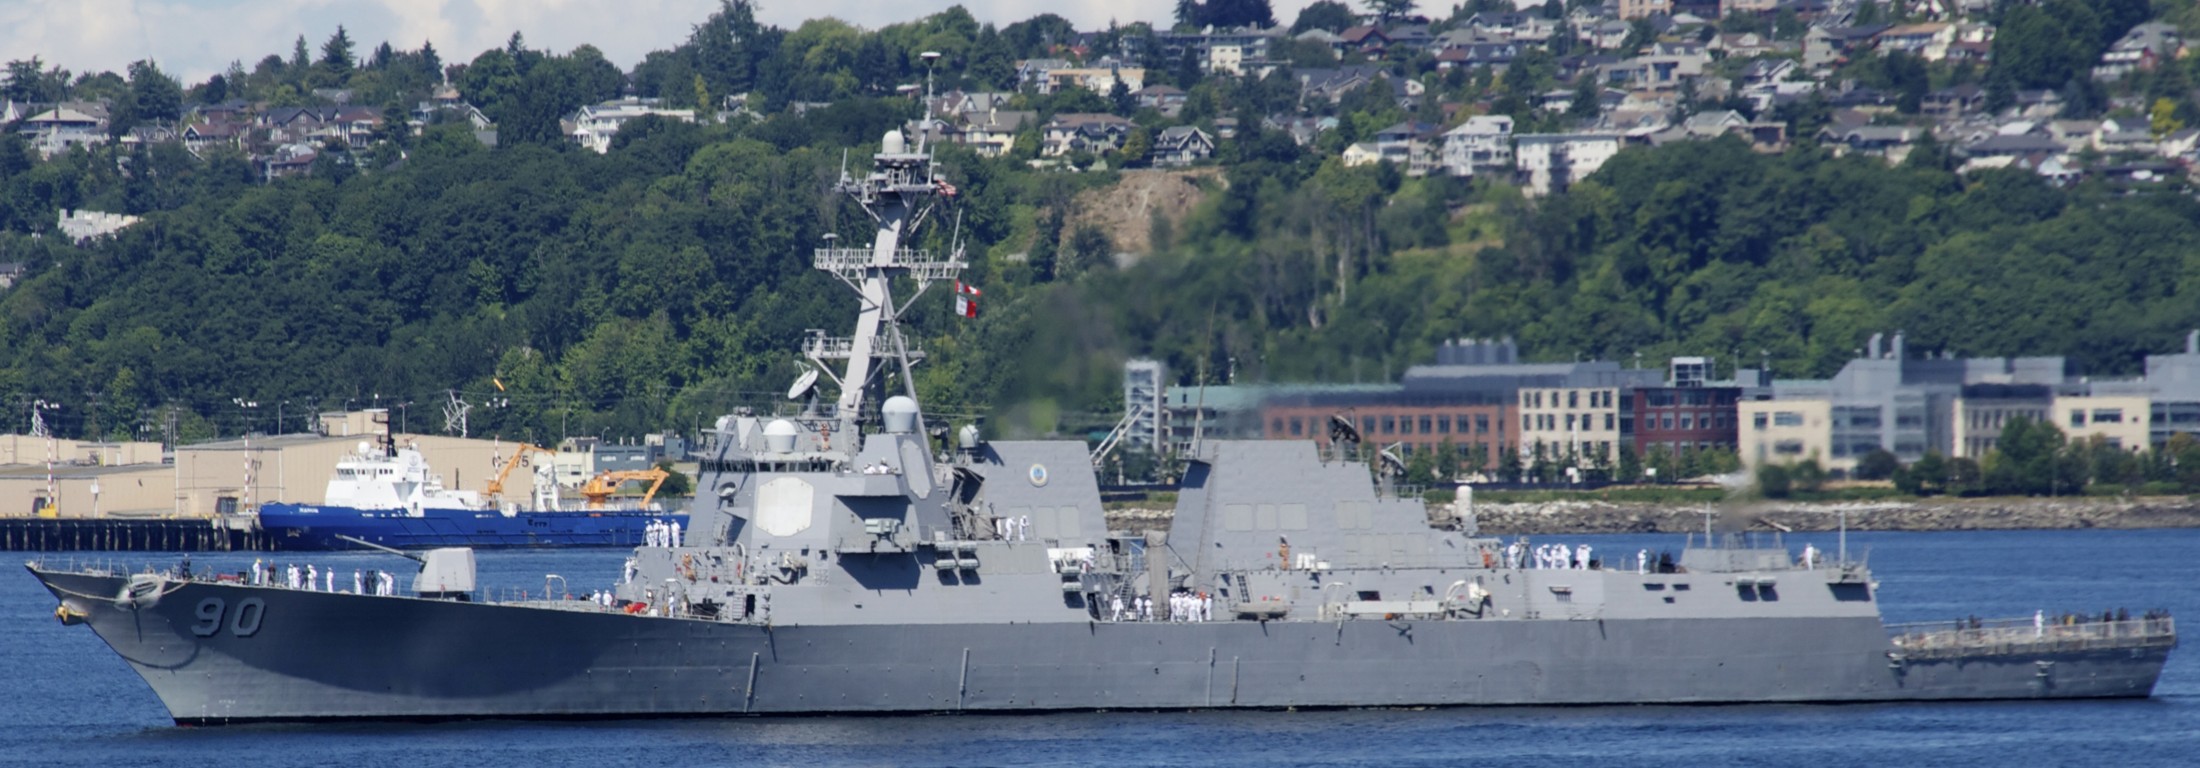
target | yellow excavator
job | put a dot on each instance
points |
(598, 489)
(519, 456)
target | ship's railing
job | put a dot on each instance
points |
(2028, 635)
(918, 264)
(821, 347)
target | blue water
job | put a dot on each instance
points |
(67, 700)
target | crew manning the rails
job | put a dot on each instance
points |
(661, 533)
(1550, 557)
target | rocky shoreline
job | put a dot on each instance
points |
(1589, 516)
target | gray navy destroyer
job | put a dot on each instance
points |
(854, 557)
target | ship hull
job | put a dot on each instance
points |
(316, 527)
(322, 656)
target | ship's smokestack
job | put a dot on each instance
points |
(1897, 349)
(1872, 347)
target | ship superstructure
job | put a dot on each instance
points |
(856, 558)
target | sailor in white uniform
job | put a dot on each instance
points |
(1584, 557)
(1642, 561)
(329, 580)
(259, 573)
(312, 577)
(1115, 608)
(389, 583)
(674, 526)
(358, 582)
(1023, 528)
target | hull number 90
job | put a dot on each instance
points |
(243, 622)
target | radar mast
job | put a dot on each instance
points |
(899, 193)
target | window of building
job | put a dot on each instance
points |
(1527, 422)
(1390, 425)
(1481, 424)
(1573, 399)
(1787, 418)
(1426, 421)
(2108, 415)
(2077, 417)
(1367, 425)
(1758, 420)
(1665, 421)
(1788, 447)
(1608, 421)
(1688, 421)
(1298, 426)
(1275, 426)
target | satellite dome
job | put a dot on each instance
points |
(779, 436)
(894, 143)
(900, 414)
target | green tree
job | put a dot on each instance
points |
(1774, 481)
(1329, 15)
(677, 483)
(1135, 148)
(336, 55)
(1808, 475)
(1880, 464)
(2162, 117)
(1388, 11)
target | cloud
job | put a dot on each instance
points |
(197, 38)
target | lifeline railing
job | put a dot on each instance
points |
(2028, 635)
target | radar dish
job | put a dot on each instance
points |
(1391, 460)
(1341, 429)
(802, 385)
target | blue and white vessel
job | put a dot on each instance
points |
(387, 495)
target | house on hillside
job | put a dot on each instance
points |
(69, 124)
(2140, 50)
(1165, 99)
(993, 134)
(1480, 146)
(1552, 163)
(1181, 145)
(594, 125)
(1303, 129)
(200, 137)
(1088, 132)
(1098, 80)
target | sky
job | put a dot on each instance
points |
(193, 39)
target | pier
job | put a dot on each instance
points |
(109, 534)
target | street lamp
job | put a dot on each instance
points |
(244, 413)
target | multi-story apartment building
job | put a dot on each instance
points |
(2118, 420)
(1576, 426)
(1475, 426)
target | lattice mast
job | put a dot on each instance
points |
(899, 193)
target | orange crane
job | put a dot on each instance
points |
(598, 489)
(519, 456)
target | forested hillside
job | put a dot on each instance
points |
(1326, 273)
(566, 292)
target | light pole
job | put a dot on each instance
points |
(244, 413)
